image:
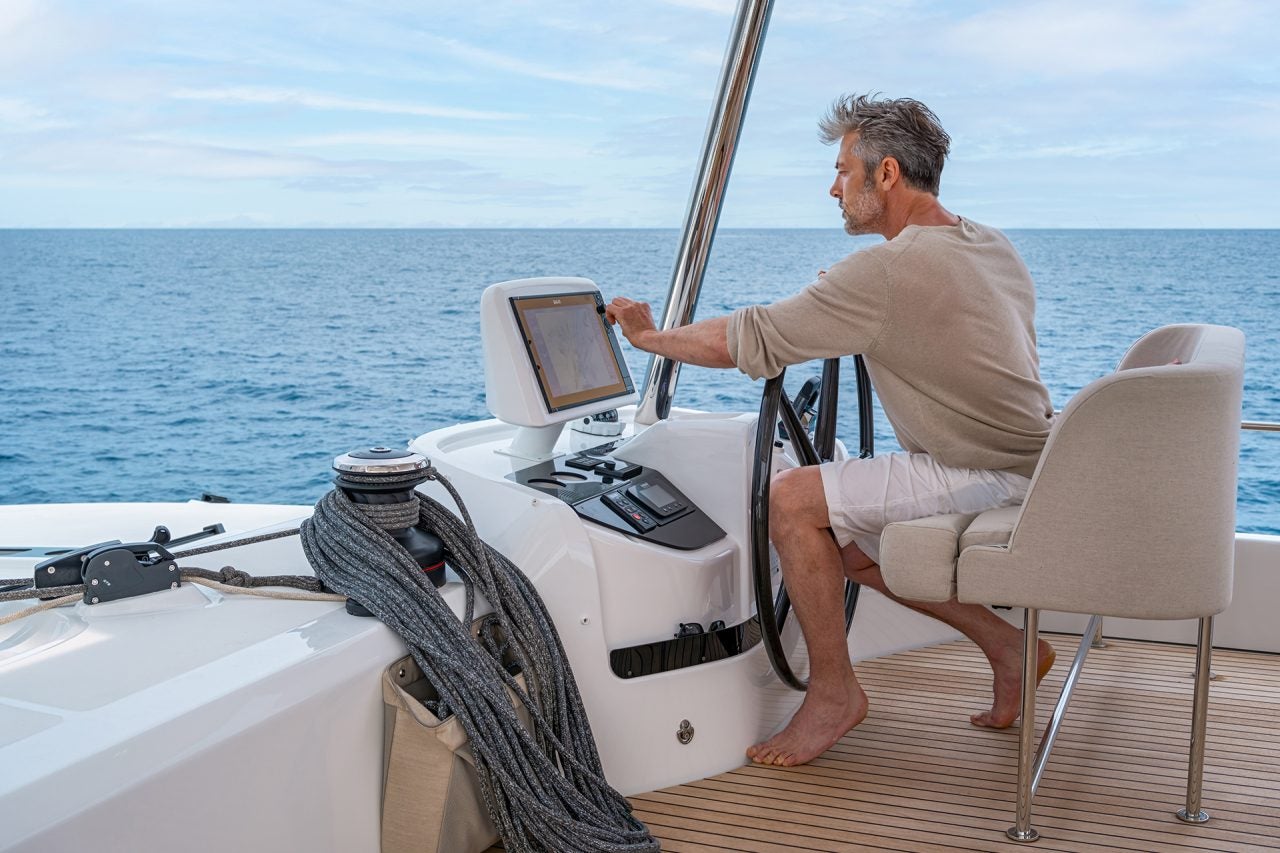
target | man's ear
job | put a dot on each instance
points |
(888, 173)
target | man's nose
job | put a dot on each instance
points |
(834, 192)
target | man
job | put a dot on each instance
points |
(943, 313)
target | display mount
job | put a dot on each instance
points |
(549, 357)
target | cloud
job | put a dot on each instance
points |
(617, 74)
(1057, 37)
(506, 145)
(34, 35)
(20, 116)
(170, 159)
(323, 101)
(1107, 148)
(720, 7)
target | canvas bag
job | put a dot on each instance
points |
(430, 794)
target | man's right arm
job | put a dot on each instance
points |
(703, 343)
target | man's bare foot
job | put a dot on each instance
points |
(822, 720)
(1007, 685)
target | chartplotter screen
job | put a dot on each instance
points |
(573, 350)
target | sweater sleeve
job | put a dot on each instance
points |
(841, 313)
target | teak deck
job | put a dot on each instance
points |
(916, 776)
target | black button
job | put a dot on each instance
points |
(627, 470)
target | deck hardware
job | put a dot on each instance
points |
(67, 569)
(162, 536)
(684, 734)
(114, 571)
(585, 620)
(385, 478)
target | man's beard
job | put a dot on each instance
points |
(864, 214)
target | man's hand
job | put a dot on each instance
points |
(634, 318)
(702, 343)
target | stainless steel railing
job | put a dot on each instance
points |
(742, 55)
(1263, 426)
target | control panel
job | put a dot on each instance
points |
(623, 496)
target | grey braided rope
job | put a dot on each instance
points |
(543, 789)
(235, 543)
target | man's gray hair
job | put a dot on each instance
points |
(901, 128)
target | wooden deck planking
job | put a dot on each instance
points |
(916, 776)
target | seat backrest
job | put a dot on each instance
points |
(1136, 487)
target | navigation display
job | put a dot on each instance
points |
(574, 353)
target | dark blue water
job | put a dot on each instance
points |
(157, 365)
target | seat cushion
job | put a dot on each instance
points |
(993, 527)
(918, 558)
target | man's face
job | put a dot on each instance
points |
(855, 190)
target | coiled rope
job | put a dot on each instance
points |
(543, 789)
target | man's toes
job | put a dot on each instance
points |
(987, 720)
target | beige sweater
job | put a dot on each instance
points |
(945, 319)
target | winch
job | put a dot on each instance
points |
(385, 477)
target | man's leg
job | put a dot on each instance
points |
(814, 574)
(999, 641)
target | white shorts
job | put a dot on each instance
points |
(864, 495)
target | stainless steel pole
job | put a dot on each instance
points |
(1022, 830)
(1191, 812)
(742, 55)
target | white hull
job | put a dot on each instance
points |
(189, 719)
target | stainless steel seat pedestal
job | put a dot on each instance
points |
(1191, 813)
(1031, 769)
(1021, 830)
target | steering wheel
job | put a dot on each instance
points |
(772, 613)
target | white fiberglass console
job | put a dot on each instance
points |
(549, 357)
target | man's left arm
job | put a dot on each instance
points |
(703, 343)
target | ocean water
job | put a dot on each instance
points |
(158, 365)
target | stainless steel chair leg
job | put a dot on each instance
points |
(1098, 642)
(1021, 829)
(1191, 813)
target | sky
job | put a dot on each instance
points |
(570, 113)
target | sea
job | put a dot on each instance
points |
(162, 365)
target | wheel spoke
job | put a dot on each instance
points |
(795, 430)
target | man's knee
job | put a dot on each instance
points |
(796, 497)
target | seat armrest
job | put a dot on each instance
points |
(918, 558)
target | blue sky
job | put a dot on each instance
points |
(1129, 113)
